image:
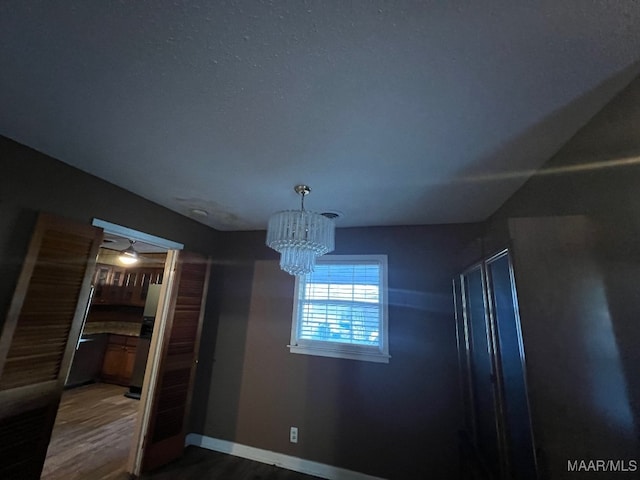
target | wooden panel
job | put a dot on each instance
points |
(117, 339)
(22, 447)
(172, 397)
(112, 365)
(43, 327)
(39, 338)
(172, 401)
(119, 359)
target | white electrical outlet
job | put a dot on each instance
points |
(293, 435)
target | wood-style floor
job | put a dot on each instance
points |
(199, 464)
(92, 437)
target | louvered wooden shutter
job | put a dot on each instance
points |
(38, 339)
(170, 407)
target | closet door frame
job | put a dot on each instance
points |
(490, 333)
(522, 357)
(493, 341)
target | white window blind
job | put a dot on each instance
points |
(341, 310)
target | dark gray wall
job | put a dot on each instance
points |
(395, 420)
(580, 319)
(31, 182)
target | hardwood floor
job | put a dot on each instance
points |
(92, 437)
(198, 464)
(92, 434)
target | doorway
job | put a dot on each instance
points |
(100, 407)
(42, 328)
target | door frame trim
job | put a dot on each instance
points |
(158, 337)
(150, 383)
(131, 234)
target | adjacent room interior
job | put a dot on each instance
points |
(104, 383)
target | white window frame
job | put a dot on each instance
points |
(322, 348)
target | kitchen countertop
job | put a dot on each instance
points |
(118, 328)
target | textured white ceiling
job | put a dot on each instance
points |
(406, 112)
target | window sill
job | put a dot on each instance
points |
(349, 355)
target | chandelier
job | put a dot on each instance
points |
(300, 236)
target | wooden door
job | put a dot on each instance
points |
(165, 433)
(39, 337)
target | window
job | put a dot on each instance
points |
(340, 310)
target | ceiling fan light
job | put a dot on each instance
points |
(129, 256)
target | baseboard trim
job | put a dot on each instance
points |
(279, 459)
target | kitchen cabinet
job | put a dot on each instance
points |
(119, 359)
(116, 285)
(136, 284)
